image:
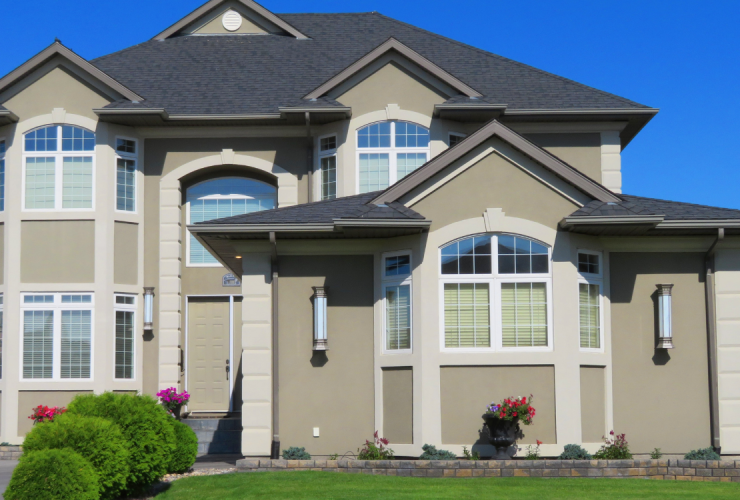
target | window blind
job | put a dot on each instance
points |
(77, 182)
(329, 178)
(126, 185)
(76, 344)
(467, 315)
(40, 182)
(398, 317)
(38, 340)
(590, 315)
(124, 344)
(524, 314)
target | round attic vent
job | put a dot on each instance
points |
(232, 21)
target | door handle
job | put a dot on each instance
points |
(228, 369)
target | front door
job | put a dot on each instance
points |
(208, 369)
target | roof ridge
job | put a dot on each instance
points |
(491, 54)
(678, 202)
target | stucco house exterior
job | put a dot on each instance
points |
(323, 225)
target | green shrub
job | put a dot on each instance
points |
(703, 454)
(146, 426)
(294, 453)
(186, 450)
(375, 450)
(97, 440)
(614, 448)
(432, 453)
(53, 475)
(574, 452)
(656, 454)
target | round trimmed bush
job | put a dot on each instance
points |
(97, 440)
(186, 450)
(702, 454)
(146, 426)
(53, 475)
(574, 452)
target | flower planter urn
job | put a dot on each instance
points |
(502, 435)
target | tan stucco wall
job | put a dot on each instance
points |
(593, 404)
(57, 251)
(164, 155)
(59, 88)
(215, 26)
(28, 400)
(151, 278)
(126, 253)
(582, 151)
(2, 253)
(334, 390)
(398, 411)
(467, 391)
(392, 84)
(661, 397)
(252, 23)
(494, 182)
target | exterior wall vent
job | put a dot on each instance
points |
(231, 20)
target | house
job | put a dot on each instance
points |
(323, 225)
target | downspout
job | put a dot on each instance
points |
(275, 448)
(712, 342)
(309, 155)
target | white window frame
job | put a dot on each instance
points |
(125, 308)
(2, 332)
(392, 151)
(455, 134)
(130, 157)
(5, 172)
(57, 307)
(388, 281)
(326, 154)
(494, 281)
(58, 156)
(592, 279)
(187, 217)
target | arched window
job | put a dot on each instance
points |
(496, 292)
(388, 152)
(223, 197)
(59, 168)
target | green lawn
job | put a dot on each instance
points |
(333, 485)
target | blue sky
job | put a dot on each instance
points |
(682, 57)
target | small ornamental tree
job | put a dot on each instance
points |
(518, 410)
(44, 413)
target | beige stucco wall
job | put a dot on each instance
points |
(392, 84)
(150, 382)
(252, 23)
(661, 397)
(58, 88)
(467, 391)
(57, 251)
(333, 390)
(398, 405)
(493, 181)
(28, 400)
(126, 253)
(593, 404)
(582, 151)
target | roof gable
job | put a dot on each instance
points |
(490, 130)
(207, 14)
(115, 89)
(392, 45)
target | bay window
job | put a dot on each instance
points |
(397, 302)
(57, 336)
(388, 152)
(496, 293)
(59, 172)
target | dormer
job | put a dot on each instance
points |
(230, 17)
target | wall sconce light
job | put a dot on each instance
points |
(148, 308)
(320, 342)
(665, 334)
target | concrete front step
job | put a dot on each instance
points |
(217, 435)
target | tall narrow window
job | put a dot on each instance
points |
(126, 175)
(2, 175)
(57, 336)
(219, 198)
(328, 160)
(397, 302)
(59, 168)
(388, 152)
(495, 292)
(589, 299)
(124, 331)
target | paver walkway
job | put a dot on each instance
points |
(6, 470)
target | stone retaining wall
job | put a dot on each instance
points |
(686, 470)
(10, 452)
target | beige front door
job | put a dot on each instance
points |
(208, 354)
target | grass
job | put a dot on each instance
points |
(333, 485)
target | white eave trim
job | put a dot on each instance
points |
(704, 224)
(599, 220)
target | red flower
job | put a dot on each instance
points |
(539, 442)
(514, 414)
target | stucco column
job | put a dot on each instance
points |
(611, 161)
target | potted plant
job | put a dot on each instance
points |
(173, 401)
(503, 419)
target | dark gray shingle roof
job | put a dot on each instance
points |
(325, 212)
(259, 74)
(672, 210)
